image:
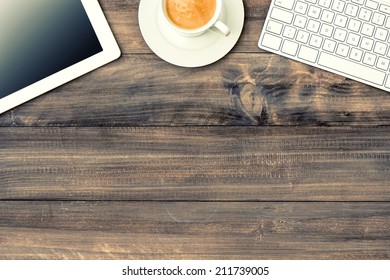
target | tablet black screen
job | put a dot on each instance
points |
(41, 37)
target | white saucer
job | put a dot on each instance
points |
(185, 51)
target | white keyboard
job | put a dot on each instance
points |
(346, 37)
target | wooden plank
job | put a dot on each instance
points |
(196, 163)
(190, 230)
(242, 89)
(123, 19)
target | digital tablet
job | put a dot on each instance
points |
(46, 43)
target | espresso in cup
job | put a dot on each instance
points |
(192, 18)
(190, 14)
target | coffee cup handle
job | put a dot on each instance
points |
(223, 28)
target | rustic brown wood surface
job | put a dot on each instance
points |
(253, 157)
(196, 230)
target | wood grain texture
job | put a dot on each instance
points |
(191, 230)
(242, 89)
(196, 163)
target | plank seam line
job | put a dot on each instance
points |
(199, 201)
(350, 127)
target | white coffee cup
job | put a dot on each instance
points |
(213, 24)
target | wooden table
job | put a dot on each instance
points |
(253, 157)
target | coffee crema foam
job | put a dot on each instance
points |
(190, 14)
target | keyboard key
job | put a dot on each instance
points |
(354, 25)
(378, 19)
(300, 21)
(351, 10)
(380, 48)
(372, 4)
(288, 4)
(326, 30)
(315, 41)
(369, 59)
(368, 29)
(271, 41)
(360, 2)
(383, 63)
(342, 50)
(301, 7)
(290, 48)
(327, 16)
(325, 3)
(302, 36)
(340, 34)
(289, 32)
(338, 6)
(367, 44)
(356, 54)
(313, 26)
(353, 39)
(365, 14)
(314, 12)
(381, 34)
(387, 25)
(354, 69)
(329, 45)
(282, 15)
(387, 84)
(308, 54)
(311, 1)
(385, 9)
(274, 27)
(340, 20)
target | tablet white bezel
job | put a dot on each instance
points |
(110, 52)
